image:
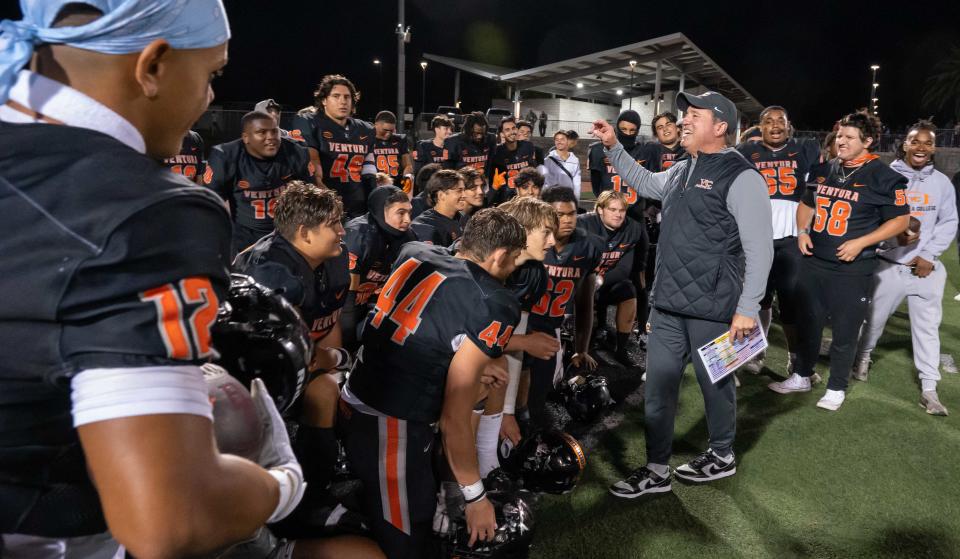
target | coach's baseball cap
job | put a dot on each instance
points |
(722, 107)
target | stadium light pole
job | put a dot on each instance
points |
(873, 89)
(376, 62)
(633, 65)
(423, 89)
(403, 37)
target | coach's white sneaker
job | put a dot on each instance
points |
(956, 297)
(794, 383)
(832, 400)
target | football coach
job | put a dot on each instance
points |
(713, 259)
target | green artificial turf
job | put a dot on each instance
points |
(879, 478)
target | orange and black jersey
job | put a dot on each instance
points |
(389, 154)
(430, 305)
(614, 244)
(189, 162)
(252, 185)
(372, 253)
(786, 168)
(603, 176)
(658, 157)
(427, 152)
(318, 294)
(565, 269)
(346, 156)
(435, 228)
(504, 166)
(461, 152)
(851, 207)
(528, 283)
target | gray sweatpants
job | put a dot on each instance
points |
(925, 303)
(673, 343)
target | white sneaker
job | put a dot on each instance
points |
(832, 400)
(755, 365)
(794, 383)
(957, 297)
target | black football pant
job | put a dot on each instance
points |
(543, 373)
(784, 279)
(393, 459)
(842, 297)
(671, 345)
(351, 319)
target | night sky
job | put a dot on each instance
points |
(813, 59)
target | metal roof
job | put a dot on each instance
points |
(602, 73)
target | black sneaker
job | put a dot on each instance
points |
(641, 482)
(706, 467)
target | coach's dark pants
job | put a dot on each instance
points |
(784, 280)
(830, 291)
(673, 343)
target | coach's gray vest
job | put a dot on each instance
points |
(700, 261)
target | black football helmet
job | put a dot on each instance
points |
(586, 396)
(546, 462)
(513, 536)
(259, 334)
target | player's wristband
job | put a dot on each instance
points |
(804, 231)
(473, 492)
(292, 486)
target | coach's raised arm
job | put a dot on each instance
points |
(713, 257)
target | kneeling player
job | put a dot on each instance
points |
(621, 236)
(305, 259)
(438, 322)
(373, 242)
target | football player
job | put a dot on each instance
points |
(621, 236)
(340, 145)
(431, 151)
(421, 202)
(304, 259)
(473, 146)
(602, 174)
(529, 284)
(785, 163)
(508, 159)
(392, 152)
(850, 205)
(189, 162)
(440, 225)
(439, 321)
(474, 188)
(373, 242)
(525, 132)
(105, 429)
(251, 172)
(663, 153)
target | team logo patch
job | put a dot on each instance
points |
(328, 134)
(296, 135)
(208, 175)
(755, 156)
(353, 261)
(821, 180)
(242, 184)
(705, 184)
(858, 184)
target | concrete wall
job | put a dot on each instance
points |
(563, 113)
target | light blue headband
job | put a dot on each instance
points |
(126, 26)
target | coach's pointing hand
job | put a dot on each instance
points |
(741, 326)
(603, 131)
